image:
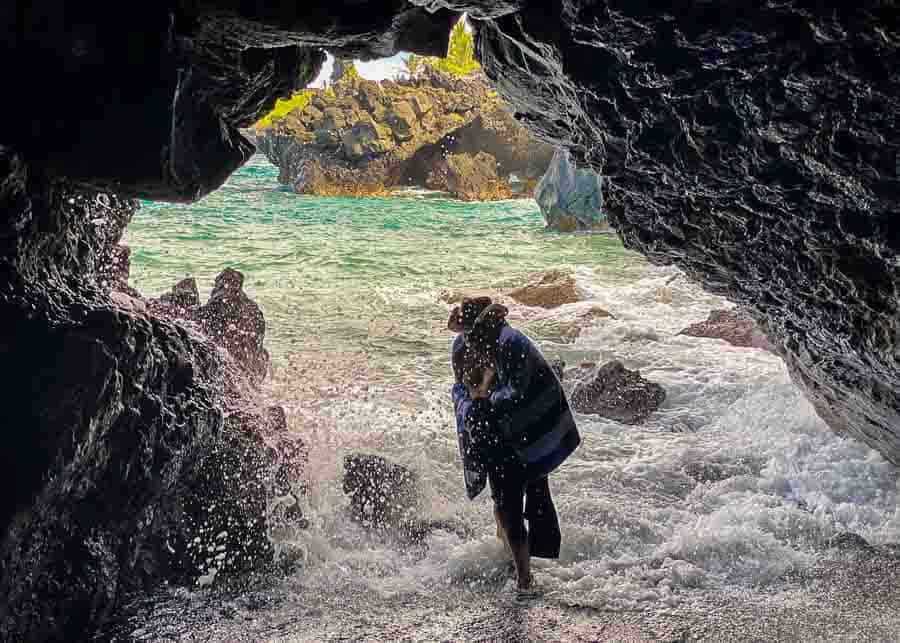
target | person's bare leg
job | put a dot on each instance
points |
(501, 532)
(522, 561)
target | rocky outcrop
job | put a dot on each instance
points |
(449, 133)
(729, 147)
(570, 198)
(139, 437)
(735, 326)
(614, 392)
(469, 178)
(553, 289)
(230, 318)
(382, 494)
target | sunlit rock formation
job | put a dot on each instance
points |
(364, 137)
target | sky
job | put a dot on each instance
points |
(373, 70)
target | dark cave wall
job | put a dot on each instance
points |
(757, 148)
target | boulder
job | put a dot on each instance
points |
(421, 104)
(612, 391)
(235, 321)
(570, 198)
(736, 326)
(402, 120)
(382, 494)
(327, 138)
(370, 95)
(364, 140)
(333, 118)
(848, 541)
(469, 177)
(553, 289)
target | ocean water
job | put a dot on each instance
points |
(355, 297)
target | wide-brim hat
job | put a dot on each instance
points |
(475, 312)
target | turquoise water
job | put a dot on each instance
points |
(355, 294)
(343, 276)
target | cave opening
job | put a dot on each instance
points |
(143, 453)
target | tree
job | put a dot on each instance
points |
(460, 59)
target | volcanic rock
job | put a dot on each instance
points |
(429, 130)
(735, 326)
(553, 289)
(469, 178)
(570, 198)
(614, 392)
(382, 494)
(235, 321)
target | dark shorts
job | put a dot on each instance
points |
(517, 499)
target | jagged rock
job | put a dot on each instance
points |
(230, 318)
(182, 302)
(735, 326)
(769, 178)
(469, 178)
(552, 290)
(396, 133)
(570, 198)
(614, 392)
(382, 494)
(235, 321)
(131, 420)
(848, 541)
(223, 513)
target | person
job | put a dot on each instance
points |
(515, 427)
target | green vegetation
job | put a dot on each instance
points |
(285, 106)
(460, 58)
(351, 74)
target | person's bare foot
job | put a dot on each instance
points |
(526, 584)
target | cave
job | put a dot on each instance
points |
(756, 148)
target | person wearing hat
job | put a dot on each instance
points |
(515, 427)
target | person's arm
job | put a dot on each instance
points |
(515, 360)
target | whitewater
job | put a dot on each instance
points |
(356, 295)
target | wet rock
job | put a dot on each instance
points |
(770, 179)
(382, 494)
(614, 392)
(469, 178)
(570, 198)
(226, 511)
(553, 289)
(735, 326)
(848, 541)
(704, 472)
(230, 318)
(182, 302)
(236, 322)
